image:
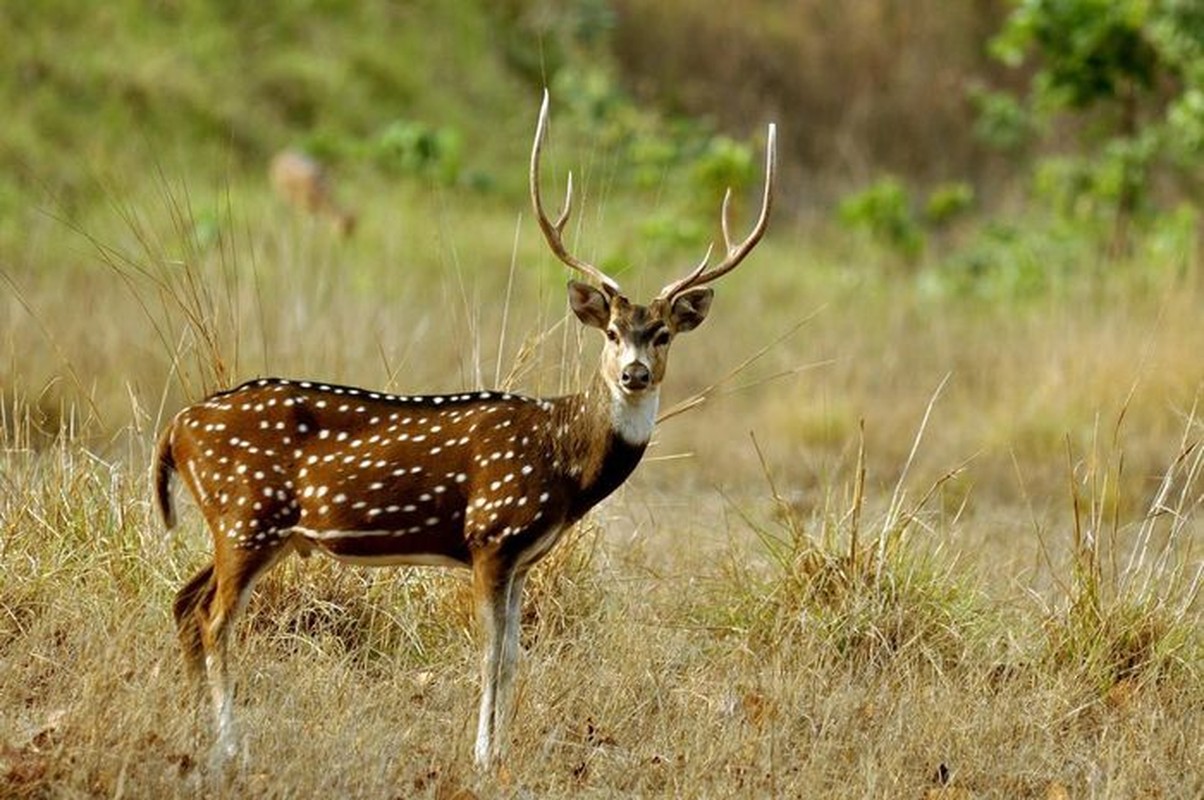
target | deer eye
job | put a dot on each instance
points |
(612, 335)
(662, 338)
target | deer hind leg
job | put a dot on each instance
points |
(499, 601)
(192, 597)
(205, 610)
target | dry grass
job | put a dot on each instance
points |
(990, 590)
(800, 668)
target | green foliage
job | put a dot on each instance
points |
(723, 164)
(127, 87)
(1091, 51)
(592, 98)
(1185, 125)
(646, 152)
(1131, 73)
(416, 148)
(947, 202)
(717, 165)
(1008, 260)
(884, 211)
(1001, 120)
(672, 230)
(539, 40)
(1081, 189)
(711, 165)
(650, 158)
(887, 212)
(1022, 260)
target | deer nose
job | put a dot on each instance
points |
(635, 377)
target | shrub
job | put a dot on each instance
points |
(884, 211)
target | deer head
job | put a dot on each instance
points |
(638, 336)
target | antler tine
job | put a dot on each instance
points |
(727, 236)
(734, 255)
(568, 205)
(552, 231)
(677, 286)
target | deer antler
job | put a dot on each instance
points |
(553, 231)
(735, 254)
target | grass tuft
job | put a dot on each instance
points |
(867, 602)
(1126, 613)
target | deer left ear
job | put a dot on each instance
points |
(690, 308)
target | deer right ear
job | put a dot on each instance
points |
(590, 305)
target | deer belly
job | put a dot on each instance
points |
(388, 547)
(388, 521)
(416, 544)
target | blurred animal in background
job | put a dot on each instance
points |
(303, 182)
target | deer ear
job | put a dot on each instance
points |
(589, 304)
(690, 308)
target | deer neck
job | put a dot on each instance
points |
(603, 436)
(630, 419)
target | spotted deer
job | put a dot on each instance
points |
(303, 182)
(484, 480)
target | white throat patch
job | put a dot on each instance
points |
(633, 418)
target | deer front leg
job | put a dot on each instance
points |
(499, 604)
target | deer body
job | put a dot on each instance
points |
(482, 480)
(374, 477)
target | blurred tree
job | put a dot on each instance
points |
(1129, 74)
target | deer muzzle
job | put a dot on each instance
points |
(635, 377)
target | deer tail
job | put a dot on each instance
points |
(164, 467)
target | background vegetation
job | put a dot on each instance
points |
(934, 530)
